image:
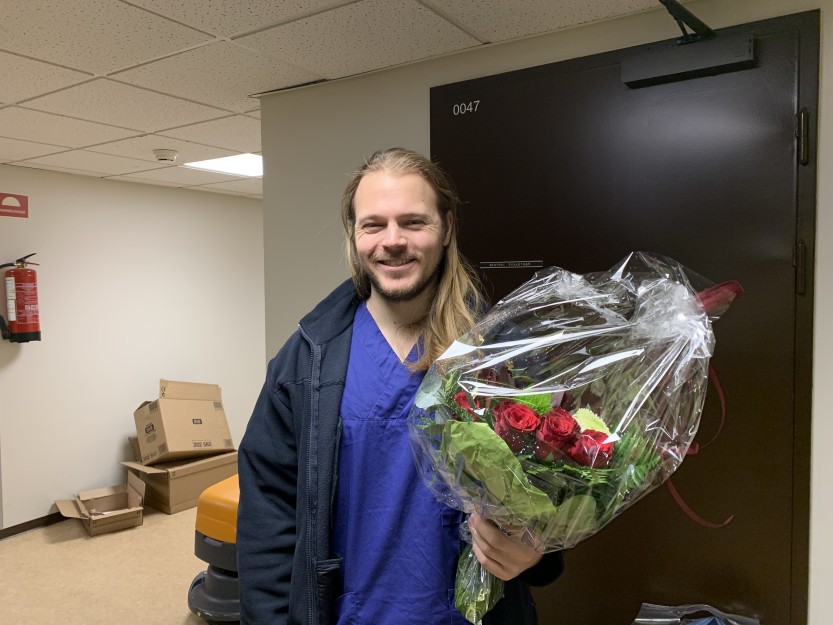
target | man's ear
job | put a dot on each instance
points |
(449, 227)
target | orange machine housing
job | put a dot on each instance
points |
(214, 594)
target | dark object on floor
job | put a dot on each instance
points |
(215, 593)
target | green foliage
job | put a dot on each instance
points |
(636, 454)
(475, 451)
(634, 460)
(588, 475)
(540, 403)
(592, 477)
(450, 387)
(575, 517)
(476, 591)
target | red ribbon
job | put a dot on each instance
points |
(695, 448)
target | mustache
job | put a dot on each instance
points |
(391, 257)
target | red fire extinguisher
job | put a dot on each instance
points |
(21, 302)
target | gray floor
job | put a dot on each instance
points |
(139, 576)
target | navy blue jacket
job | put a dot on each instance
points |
(287, 468)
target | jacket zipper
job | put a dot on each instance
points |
(311, 613)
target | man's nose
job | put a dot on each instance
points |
(394, 236)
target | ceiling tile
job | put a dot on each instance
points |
(225, 192)
(66, 170)
(361, 37)
(19, 123)
(22, 78)
(110, 102)
(134, 179)
(234, 74)
(181, 176)
(252, 186)
(104, 164)
(151, 74)
(96, 36)
(238, 132)
(16, 150)
(231, 17)
(143, 147)
(498, 20)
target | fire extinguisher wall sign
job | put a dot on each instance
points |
(22, 323)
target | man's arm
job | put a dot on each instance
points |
(266, 517)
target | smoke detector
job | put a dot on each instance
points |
(166, 156)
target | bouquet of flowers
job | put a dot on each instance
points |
(570, 400)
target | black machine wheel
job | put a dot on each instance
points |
(214, 596)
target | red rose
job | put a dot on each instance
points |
(463, 401)
(558, 430)
(514, 422)
(590, 449)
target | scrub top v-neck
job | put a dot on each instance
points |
(399, 545)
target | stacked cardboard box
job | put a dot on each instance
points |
(183, 445)
(175, 486)
(186, 421)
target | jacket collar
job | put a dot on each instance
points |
(332, 315)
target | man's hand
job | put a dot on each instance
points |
(498, 553)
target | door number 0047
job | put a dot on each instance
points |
(465, 107)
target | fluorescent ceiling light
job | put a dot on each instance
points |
(238, 165)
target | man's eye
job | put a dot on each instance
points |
(415, 223)
(371, 227)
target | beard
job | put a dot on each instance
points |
(405, 293)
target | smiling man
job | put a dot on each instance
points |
(399, 242)
(399, 235)
(334, 524)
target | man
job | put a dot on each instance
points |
(334, 525)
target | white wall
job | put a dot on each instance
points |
(313, 137)
(136, 283)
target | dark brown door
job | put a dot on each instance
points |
(565, 165)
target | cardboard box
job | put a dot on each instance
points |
(187, 421)
(175, 486)
(107, 509)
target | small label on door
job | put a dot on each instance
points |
(511, 264)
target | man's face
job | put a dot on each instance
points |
(399, 234)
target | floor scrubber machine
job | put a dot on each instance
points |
(215, 593)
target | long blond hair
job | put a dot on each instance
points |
(458, 297)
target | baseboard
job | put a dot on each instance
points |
(43, 521)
